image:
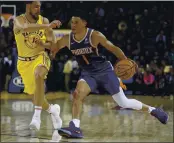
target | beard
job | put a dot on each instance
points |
(34, 16)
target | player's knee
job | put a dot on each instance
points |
(40, 73)
(37, 75)
(77, 95)
(123, 102)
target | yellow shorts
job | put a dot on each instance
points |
(26, 70)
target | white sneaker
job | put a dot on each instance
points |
(56, 137)
(35, 124)
(57, 121)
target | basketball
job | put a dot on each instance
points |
(125, 69)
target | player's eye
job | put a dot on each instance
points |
(37, 6)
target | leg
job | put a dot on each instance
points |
(83, 88)
(40, 73)
(40, 69)
(119, 96)
(45, 105)
(40, 100)
(33, 74)
(67, 78)
(124, 102)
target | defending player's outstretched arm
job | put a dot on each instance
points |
(63, 42)
(21, 26)
(50, 37)
(98, 37)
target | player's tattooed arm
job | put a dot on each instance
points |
(99, 38)
(21, 26)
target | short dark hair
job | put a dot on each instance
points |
(28, 2)
(82, 14)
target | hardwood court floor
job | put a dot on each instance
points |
(99, 122)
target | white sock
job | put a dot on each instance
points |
(76, 122)
(150, 109)
(37, 111)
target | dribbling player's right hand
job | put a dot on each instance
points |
(55, 23)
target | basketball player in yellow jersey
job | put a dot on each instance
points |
(33, 34)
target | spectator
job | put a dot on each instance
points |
(135, 32)
(67, 71)
(2, 55)
(8, 69)
(149, 81)
(100, 11)
(1, 66)
(1, 26)
(160, 83)
(161, 42)
(74, 63)
(156, 58)
(3, 43)
(171, 57)
(138, 83)
(142, 61)
(169, 77)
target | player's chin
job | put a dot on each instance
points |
(36, 16)
(73, 31)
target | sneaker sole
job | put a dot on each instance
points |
(32, 127)
(167, 119)
(67, 135)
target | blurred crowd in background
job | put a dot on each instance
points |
(143, 30)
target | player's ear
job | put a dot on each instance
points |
(85, 23)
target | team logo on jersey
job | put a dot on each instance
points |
(82, 51)
(31, 38)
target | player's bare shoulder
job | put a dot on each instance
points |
(45, 20)
(96, 37)
(18, 21)
(97, 34)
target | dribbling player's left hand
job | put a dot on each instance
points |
(55, 23)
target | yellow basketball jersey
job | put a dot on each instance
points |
(26, 41)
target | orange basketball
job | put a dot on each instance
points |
(125, 69)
